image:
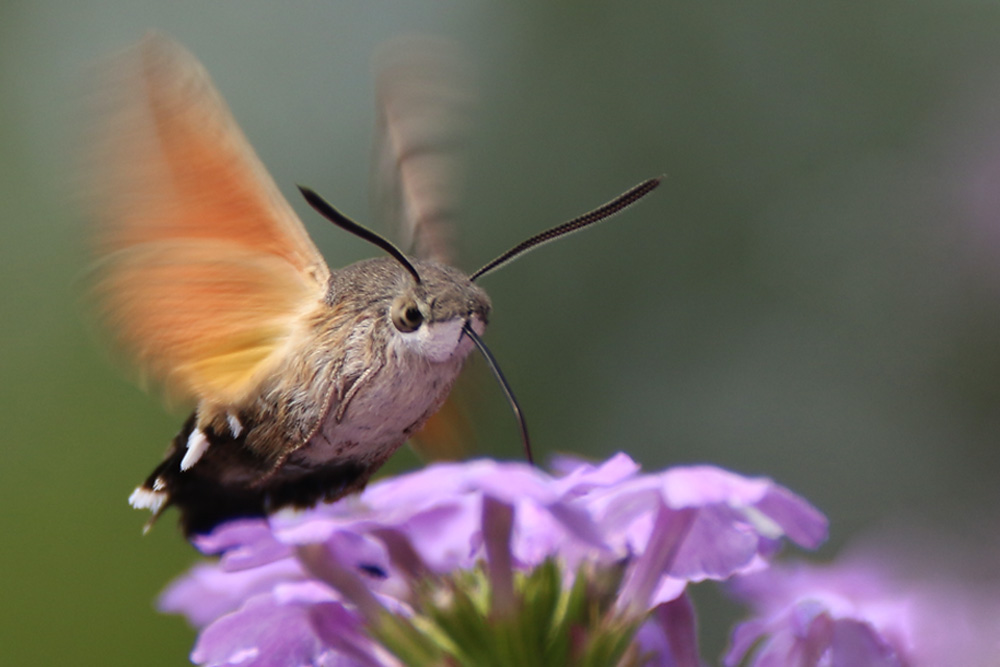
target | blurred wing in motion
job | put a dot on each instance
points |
(204, 271)
(424, 99)
(424, 104)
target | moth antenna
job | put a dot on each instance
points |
(616, 205)
(498, 374)
(336, 217)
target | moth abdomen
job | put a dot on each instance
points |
(195, 490)
(230, 481)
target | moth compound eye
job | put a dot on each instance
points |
(406, 316)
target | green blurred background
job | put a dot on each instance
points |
(814, 294)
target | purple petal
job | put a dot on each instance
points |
(776, 511)
(800, 521)
(207, 591)
(719, 545)
(263, 633)
(244, 543)
(743, 638)
(512, 483)
(447, 536)
(733, 529)
(342, 630)
(504, 481)
(858, 643)
(667, 590)
(690, 486)
(668, 536)
(670, 635)
(578, 478)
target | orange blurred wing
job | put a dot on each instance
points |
(205, 273)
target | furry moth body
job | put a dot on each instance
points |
(342, 400)
(305, 379)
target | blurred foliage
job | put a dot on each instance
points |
(812, 296)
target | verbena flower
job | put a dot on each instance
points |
(863, 611)
(487, 563)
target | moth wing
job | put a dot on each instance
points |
(424, 106)
(425, 102)
(204, 271)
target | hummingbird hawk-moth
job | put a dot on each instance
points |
(304, 379)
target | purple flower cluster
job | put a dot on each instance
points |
(306, 588)
(864, 611)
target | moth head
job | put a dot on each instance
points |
(433, 303)
(442, 307)
(428, 317)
